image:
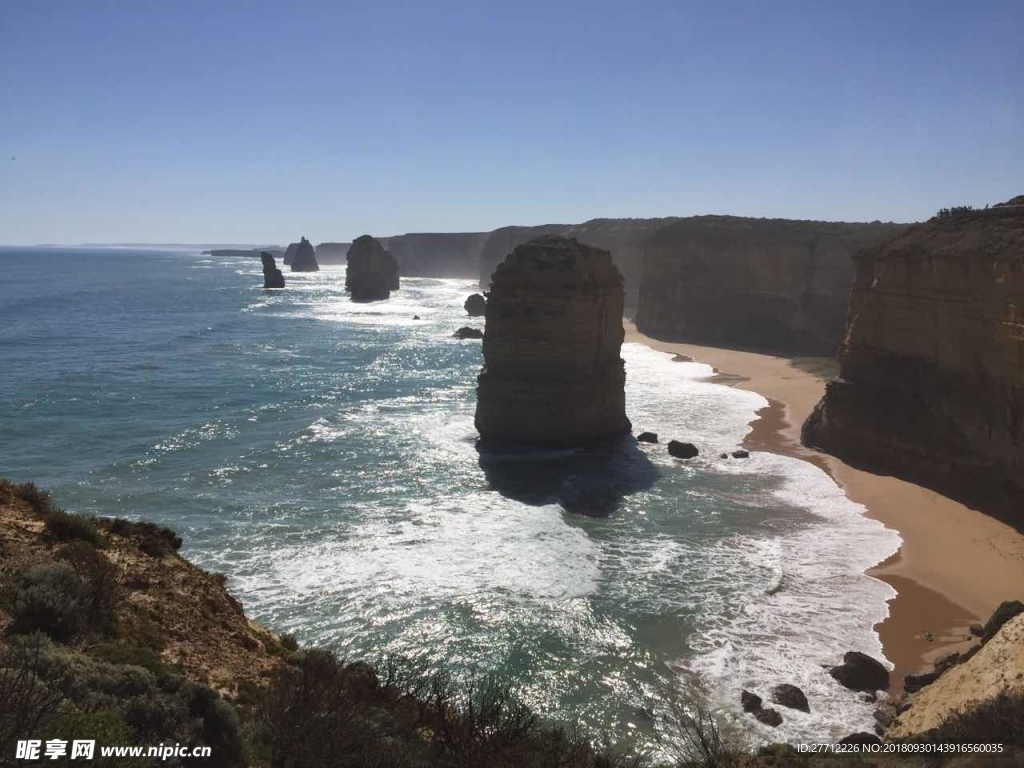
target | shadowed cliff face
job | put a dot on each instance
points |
(450, 254)
(623, 238)
(932, 368)
(552, 372)
(772, 285)
(372, 272)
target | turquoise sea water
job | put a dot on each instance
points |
(322, 455)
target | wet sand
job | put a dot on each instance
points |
(955, 564)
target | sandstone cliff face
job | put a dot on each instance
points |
(623, 238)
(445, 254)
(372, 272)
(552, 372)
(272, 277)
(932, 367)
(332, 253)
(303, 258)
(772, 285)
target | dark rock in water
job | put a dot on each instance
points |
(552, 373)
(304, 257)
(272, 276)
(884, 714)
(647, 437)
(915, 682)
(861, 737)
(723, 455)
(415, 317)
(741, 454)
(682, 450)
(372, 271)
(790, 696)
(769, 717)
(476, 305)
(751, 701)
(860, 672)
(465, 332)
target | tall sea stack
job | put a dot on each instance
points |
(304, 257)
(272, 277)
(552, 373)
(931, 383)
(372, 271)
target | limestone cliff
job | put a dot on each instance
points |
(997, 669)
(931, 383)
(372, 271)
(272, 277)
(623, 238)
(772, 285)
(437, 254)
(552, 372)
(332, 253)
(303, 258)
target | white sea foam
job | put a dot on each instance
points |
(822, 604)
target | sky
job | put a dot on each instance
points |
(258, 122)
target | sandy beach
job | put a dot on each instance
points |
(955, 565)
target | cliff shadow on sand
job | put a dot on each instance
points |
(591, 481)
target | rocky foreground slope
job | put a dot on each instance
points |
(931, 383)
(552, 372)
(773, 285)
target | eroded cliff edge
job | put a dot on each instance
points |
(772, 285)
(931, 383)
(552, 371)
(624, 239)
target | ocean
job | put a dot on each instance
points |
(321, 454)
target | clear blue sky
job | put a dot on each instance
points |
(179, 121)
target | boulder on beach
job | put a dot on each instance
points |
(862, 738)
(476, 305)
(465, 332)
(682, 450)
(860, 672)
(304, 257)
(741, 454)
(751, 701)
(790, 696)
(647, 437)
(769, 716)
(272, 276)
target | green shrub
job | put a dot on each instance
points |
(100, 578)
(154, 540)
(63, 526)
(130, 654)
(28, 703)
(35, 497)
(50, 599)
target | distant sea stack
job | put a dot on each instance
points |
(304, 257)
(931, 386)
(770, 285)
(552, 373)
(272, 276)
(372, 271)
